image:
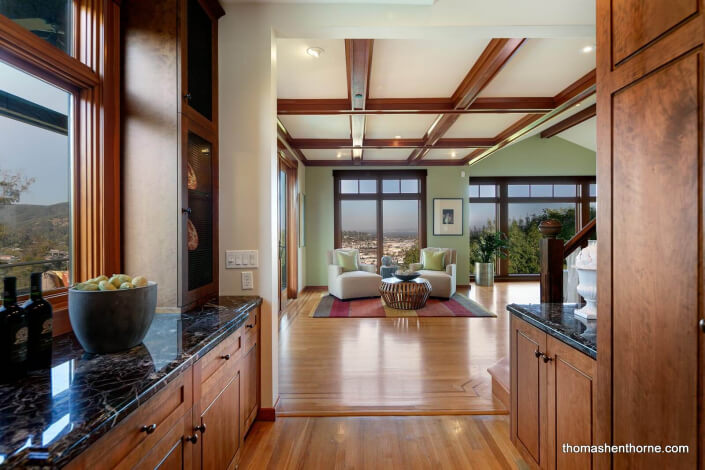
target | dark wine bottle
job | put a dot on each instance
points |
(39, 317)
(15, 332)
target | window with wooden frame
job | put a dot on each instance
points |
(516, 205)
(381, 213)
(59, 168)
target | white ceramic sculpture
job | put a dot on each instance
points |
(586, 265)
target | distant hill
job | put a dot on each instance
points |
(22, 216)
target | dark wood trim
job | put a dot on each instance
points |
(339, 163)
(213, 7)
(390, 143)
(490, 62)
(416, 106)
(532, 179)
(576, 88)
(267, 414)
(379, 197)
(292, 232)
(569, 122)
(358, 55)
(284, 139)
(580, 238)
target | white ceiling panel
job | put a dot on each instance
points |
(481, 125)
(543, 67)
(406, 68)
(301, 76)
(327, 154)
(590, 100)
(317, 126)
(386, 154)
(407, 126)
(584, 134)
(447, 154)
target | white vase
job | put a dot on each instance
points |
(587, 288)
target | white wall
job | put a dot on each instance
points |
(247, 94)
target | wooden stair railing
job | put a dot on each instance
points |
(552, 253)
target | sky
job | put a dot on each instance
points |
(31, 151)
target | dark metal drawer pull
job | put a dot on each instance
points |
(226, 357)
(149, 429)
(201, 428)
(192, 439)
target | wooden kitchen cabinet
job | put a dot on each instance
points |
(552, 399)
(174, 451)
(219, 427)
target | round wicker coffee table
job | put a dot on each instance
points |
(405, 295)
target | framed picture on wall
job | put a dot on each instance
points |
(447, 216)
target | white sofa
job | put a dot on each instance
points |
(443, 283)
(352, 284)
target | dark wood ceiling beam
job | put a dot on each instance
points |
(390, 143)
(358, 54)
(284, 141)
(569, 97)
(381, 163)
(569, 122)
(490, 62)
(415, 106)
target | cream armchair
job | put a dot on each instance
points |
(443, 283)
(352, 284)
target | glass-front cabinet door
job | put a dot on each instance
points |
(199, 60)
(199, 214)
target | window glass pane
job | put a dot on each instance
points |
(482, 217)
(564, 190)
(410, 186)
(51, 20)
(401, 231)
(541, 190)
(524, 232)
(390, 186)
(368, 186)
(518, 190)
(488, 190)
(358, 220)
(474, 190)
(593, 190)
(35, 172)
(348, 186)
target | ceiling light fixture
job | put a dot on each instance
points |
(340, 154)
(453, 154)
(588, 49)
(315, 52)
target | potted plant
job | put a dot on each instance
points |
(489, 246)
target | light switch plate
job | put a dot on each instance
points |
(238, 259)
(247, 280)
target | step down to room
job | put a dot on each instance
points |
(500, 380)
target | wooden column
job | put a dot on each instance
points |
(551, 257)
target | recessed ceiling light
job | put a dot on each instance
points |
(588, 49)
(397, 137)
(340, 154)
(315, 52)
(577, 105)
(453, 154)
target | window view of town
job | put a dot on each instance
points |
(34, 185)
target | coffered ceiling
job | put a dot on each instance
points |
(430, 102)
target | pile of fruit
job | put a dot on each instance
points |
(117, 281)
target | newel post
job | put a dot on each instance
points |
(551, 256)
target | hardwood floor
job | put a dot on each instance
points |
(402, 442)
(394, 366)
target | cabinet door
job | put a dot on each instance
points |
(199, 214)
(250, 367)
(199, 59)
(528, 390)
(571, 400)
(220, 441)
(173, 451)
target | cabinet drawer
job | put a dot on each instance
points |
(226, 353)
(132, 439)
(251, 329)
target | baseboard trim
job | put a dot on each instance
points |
(268, 414)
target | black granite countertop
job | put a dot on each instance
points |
(52, 415)
(559, 321)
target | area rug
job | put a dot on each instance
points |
(457, 306)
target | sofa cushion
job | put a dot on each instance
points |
(434, 260)
(355, 284)
(347, 260)
(441, 283)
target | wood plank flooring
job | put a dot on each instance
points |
(402, 442)
(394, 366)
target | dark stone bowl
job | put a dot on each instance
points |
(111, 321)
(407, 277)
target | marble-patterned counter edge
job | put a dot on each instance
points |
(566, 335)
(56, 457)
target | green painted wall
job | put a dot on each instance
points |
(530, 157)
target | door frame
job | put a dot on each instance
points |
(292, 233)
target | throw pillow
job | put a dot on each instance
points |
(434, 261)
(347, 261)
